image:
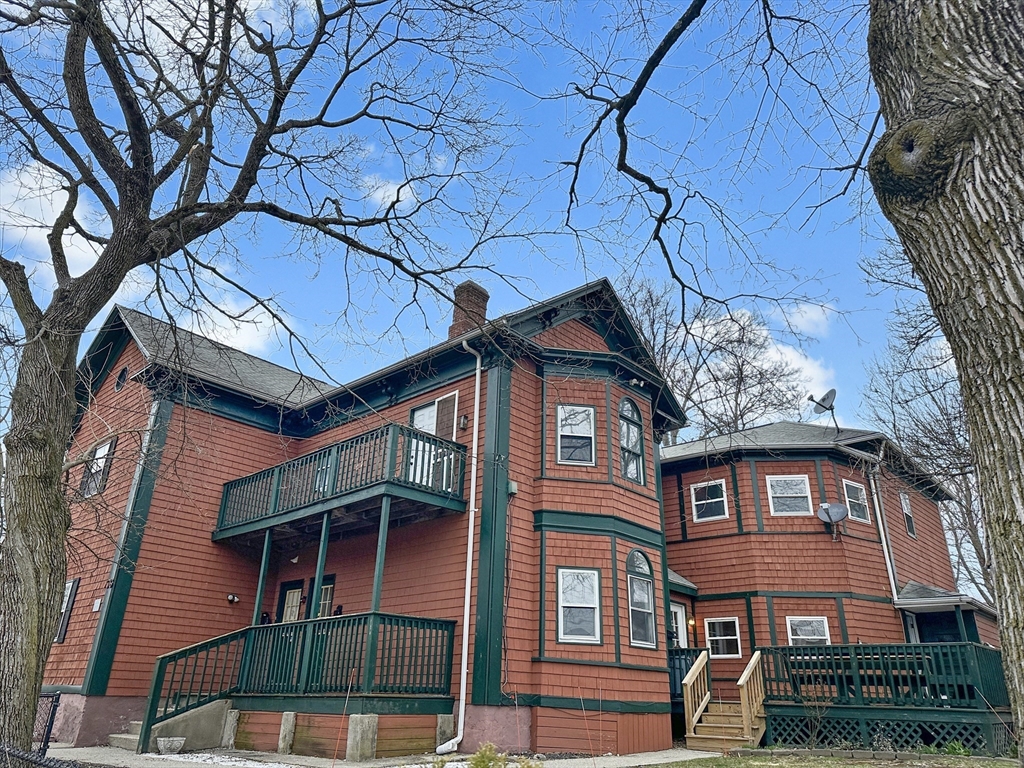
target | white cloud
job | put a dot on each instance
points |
(256, 332)
(383, 192)
(809, 319)
(814, 373)
(31, 198)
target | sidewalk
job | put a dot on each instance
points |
(230, 758)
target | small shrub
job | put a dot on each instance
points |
(882, 742)
(489, 757)
(956, 748)
(926, 749)
(844, 744)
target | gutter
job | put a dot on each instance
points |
(927, 604)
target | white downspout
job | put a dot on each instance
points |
(886, 552)
(453, 744)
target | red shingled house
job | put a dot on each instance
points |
(466, 546)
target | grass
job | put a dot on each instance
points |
(783, 761)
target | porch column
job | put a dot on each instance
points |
(382, 543)
(261, 586)
(321, 559)
(960, 624)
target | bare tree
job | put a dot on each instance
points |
(723, 365)
(163, 131)
(913, 395)
(948, 174)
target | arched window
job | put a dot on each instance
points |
(640, 583)
(631, 441)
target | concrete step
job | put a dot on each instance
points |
(715, 743)
(129, 741)
(135, 727)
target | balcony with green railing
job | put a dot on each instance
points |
(373, 655)
(946, 675)
(423, 474)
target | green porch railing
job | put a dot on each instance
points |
(364, 653)
(956, 675)
(393, 453)
(679, 662)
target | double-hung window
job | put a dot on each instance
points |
(723, 638)
(908, 513)
(789, 495)
(97, 467)
(856, 501)
(579, 605)
(631, 441)
(70, 590)
(641, 600)
(808, 630)
(708, 501)
(576, 434)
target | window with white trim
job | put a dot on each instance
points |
(70, 590)
(723, 638)
(856, 501)
(789, 495)
(579, 608)
(679, 625)
(708, 501)
(430, 463)
(631, 442)
(808, 630)
(576, 434)
(908, 513)
(640, 584)
(97, 467)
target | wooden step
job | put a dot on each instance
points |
(726, 718)
(718, 729)
(715, 743)
(725, 706)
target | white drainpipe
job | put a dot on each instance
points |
(453, 744)
(880, 511)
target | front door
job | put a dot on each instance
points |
(913, 636)
(679, 625)
(289, 602)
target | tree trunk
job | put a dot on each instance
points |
(33, 563)
(949, 175)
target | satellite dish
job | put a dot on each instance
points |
(826, 403)
(832, 513)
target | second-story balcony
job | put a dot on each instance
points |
(422, 473)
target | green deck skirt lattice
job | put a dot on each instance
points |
(882, 728)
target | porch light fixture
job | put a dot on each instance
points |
(463, 421)
(233, 598)
(691, 622)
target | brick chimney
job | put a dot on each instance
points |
(470, 309)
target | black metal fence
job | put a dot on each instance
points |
(46, 713)
(10, 757)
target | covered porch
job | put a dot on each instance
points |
(322, 660)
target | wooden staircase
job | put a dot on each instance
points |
(722, 726)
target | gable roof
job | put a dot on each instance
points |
(181, 351)
(923, 597)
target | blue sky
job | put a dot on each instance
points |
(707, 119)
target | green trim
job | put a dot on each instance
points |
(737, 509)
(682, 506)
(382, 547)
(776, 593)
(615, 598)
(543, 423)
(593, 705)
(841, 612)
(261, 585)
(750, 621)
(681, 590)
(543, 612)
(321, 560)
(115, 603)
(608, 429)
(769, 604)
(666, 597)
(756, 485)
(354, 705)
(958, 612)
(490, 595)
(583, 663)
(822, 496)
(596, 525)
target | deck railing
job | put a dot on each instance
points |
(680, 661)
(364, 653)
(956, 675)
(696, 691)
(392, 453)
(751, 686)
